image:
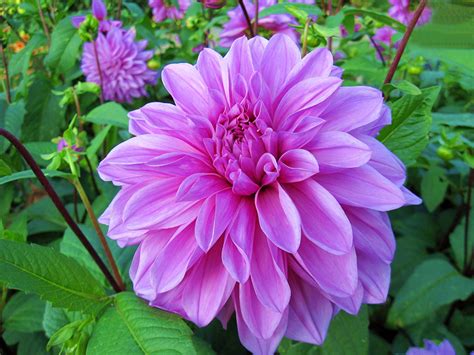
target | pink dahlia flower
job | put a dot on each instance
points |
(261, 191)
(444, 348)
(163, 9)
(400, 11)
(123, 71)
(99, 11)
(237, 25)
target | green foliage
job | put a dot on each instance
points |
(53, 276)
(109, 113)
(129, 326)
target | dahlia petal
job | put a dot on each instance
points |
(384, 161)
(304, 132)
(187, 87)
(158, 117)
(267, 169)
(242, 184)
(297, 165)
(350, 304)
(239, 60)
(309, 314)
(179, 164)
(235, 260)
(323, 220)
(278, 217)
(208, 287)
(175, 259)
(410, 197)
(199, 186)
(304, 95)
(215, 215)
(268, 277)
(335, 274)
(363, 187)
(213, 71)
(275, 72)
(77, 20)
(226, 312)
(352, 107)
(372, 233)
(338, 150)
(257, 48)
(243, 227)
(374, 275)
(255, 344)
(154, 206)
(99, 10)
(261, 320)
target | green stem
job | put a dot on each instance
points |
(304, 46)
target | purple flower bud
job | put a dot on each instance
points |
(61, 144)
(77, 20)
(99, 10)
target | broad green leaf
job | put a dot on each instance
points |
(461, 325)
(433, 284)
(348, 335)
(71, 246)
(32, 343)
(379, 16)
(12, 122)
(23, 313)
(54, 277)
(20, 62)
(109, 113)
(405, 87)
(28, 174)
(281, 8)
(454, 119)
(65, 45)
(37, 149)
(44, 118)
(433, 187)
(130, 326)
(97, 142)
(407, 136)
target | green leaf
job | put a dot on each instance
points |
(37, 149)
(379, 16)
(4, 169)
(456, 239)
(28, 174)
(433, 284)
(56, 318)
(53, 276)
(23, 313)
(97, 142)
(20, 62)
(281, 8)
(130, 326)
(44, 118)
(65, 45)
(454, 119)
(433, 187)
(348, 334)
(407, 136)
(109, 113)
(405, 87)
(33, 343)
(12, 122)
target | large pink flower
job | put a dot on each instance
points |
(238, 26)
(261, 191)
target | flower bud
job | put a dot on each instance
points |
(445, 153)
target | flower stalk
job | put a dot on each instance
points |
(97, 62)
(255, 23)
(60, 207)
(247, 17)
(404, 42)
(43, 22)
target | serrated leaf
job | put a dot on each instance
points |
(28, 174)
(130, 326)
(65, 45)
(109, 113)
(54, 277)
(23, 313)
(433, 187)
(407, 136)
(433, 284)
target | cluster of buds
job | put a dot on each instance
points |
(69, 149)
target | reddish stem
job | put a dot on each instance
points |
(247, 17)
(404, 42)
(60, 206)
(97, 62)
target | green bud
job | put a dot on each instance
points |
(445, 153)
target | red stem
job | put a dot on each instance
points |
(247, 17)
(60, 206)
(404, 42)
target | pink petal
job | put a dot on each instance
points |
(235, 260)
(335, 150)
(208, 287)
(363, 187)
(278, 217)
(257, 48)
(322, 218)
(297, 165)
(215, 215)
(374, 275)
(200, 186)
(335, 274)
(242, 229)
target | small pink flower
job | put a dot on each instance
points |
(400, 11)
(383, 39)
(261, 191)
(444, 348)
(162, 9)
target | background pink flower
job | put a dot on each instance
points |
(163, 10)
(261, 191)
(400, 10)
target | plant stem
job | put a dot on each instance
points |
(304, 45)
(43, 22)
(119, 9)
(90, 211)
(339, 5)
(255, 24)
(403, 44)
(329, 13)
(91, 173)
(60, 206)
(97, 62)
(7, 77)
(247, 17)
(377, 48)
